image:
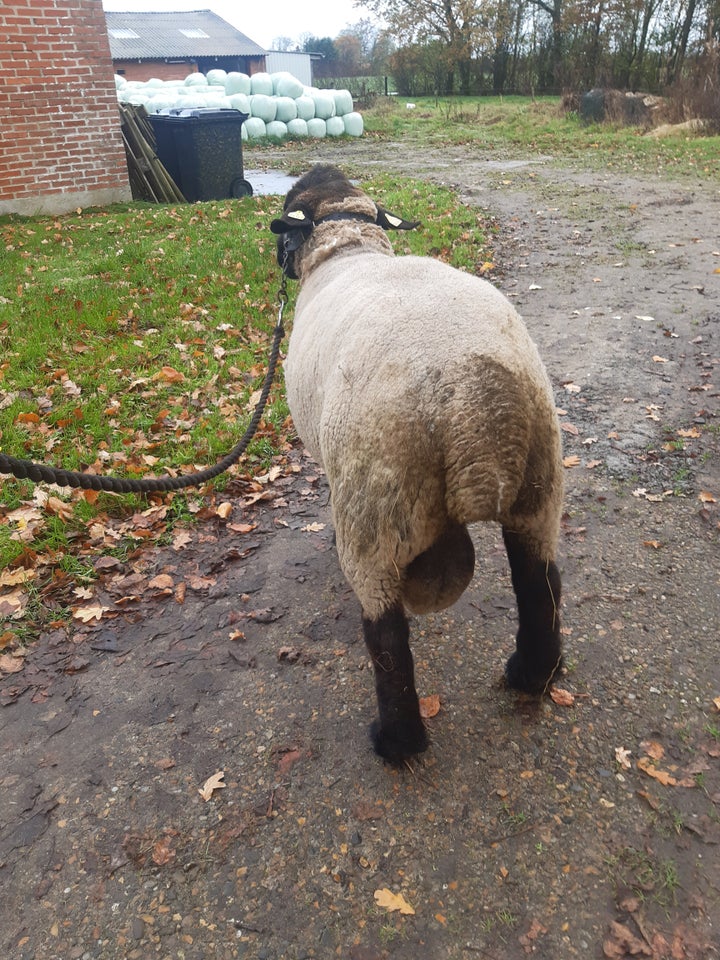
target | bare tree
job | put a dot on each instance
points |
(458, 26)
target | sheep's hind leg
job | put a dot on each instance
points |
(536, 582)
(399, 733)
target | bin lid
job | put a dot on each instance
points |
(203, 113)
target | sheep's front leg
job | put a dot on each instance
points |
(536, 582)
(399, 732)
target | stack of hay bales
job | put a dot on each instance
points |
(278, 105)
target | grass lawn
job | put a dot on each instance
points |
(134, 342)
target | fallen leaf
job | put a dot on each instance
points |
(705, 497)
(9, 578)
(657, 359)
(166, 763)
(563, 698)
(393, 902)
(212, 784)
(162, 581)
(692, 432)
(662, 776)
(11, 664)
(224, 510)
(622, 941)
(652, 543)
(169, 375)
(93, 611)
(313, 528)
(653, 749)
(623, 757)
(242, 527)
(163, 852)
(429, 706)
(571, 461)
(526, 940)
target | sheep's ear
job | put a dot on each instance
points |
(292, 220)
(388, 221)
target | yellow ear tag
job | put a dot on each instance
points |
(393, 221)
(296, 215)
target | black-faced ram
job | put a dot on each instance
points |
(419, 391)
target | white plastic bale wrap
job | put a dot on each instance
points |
(237, 83)
(255, 128)
(324, 104)
(276, 129)
(216, 76)
(286, 85)
(263, 107)
(261, 83)
(196, 80)
(343, 102)
(353, 124)
(309, 114)
(335, 126)
(316, 127)
(286, 109)
(241, 102)
(298, 128)
(305, 107)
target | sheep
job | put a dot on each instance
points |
(418, 390)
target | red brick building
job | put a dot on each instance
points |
(169, 46)
(59, 121)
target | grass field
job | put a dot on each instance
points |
(134, 339)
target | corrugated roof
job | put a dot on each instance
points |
(188, 33)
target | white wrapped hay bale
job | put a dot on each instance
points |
(120, 82)
(316, 127)
(335, 127)
(241, 102)
(353, 124)
(261, 83)
(276, 129)
(343, 102)
(324, 104)
(254, 127)
(286, 85)
(216, 76)
(286, 109)
(305, 107)
(263, 107)
(236, 82)
(196, 80)
(297, 128)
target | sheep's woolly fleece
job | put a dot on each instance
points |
(418, 389)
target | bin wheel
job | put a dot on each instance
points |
(240, 188)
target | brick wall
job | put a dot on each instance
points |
(59, 120)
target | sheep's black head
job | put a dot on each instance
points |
(324, 193)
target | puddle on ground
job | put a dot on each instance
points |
(269, 182)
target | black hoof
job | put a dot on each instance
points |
(394, 748)
(520, 675)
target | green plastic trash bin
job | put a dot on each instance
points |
(201, 149)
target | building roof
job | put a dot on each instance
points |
(189, 33)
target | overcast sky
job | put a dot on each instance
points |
(264, 20)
